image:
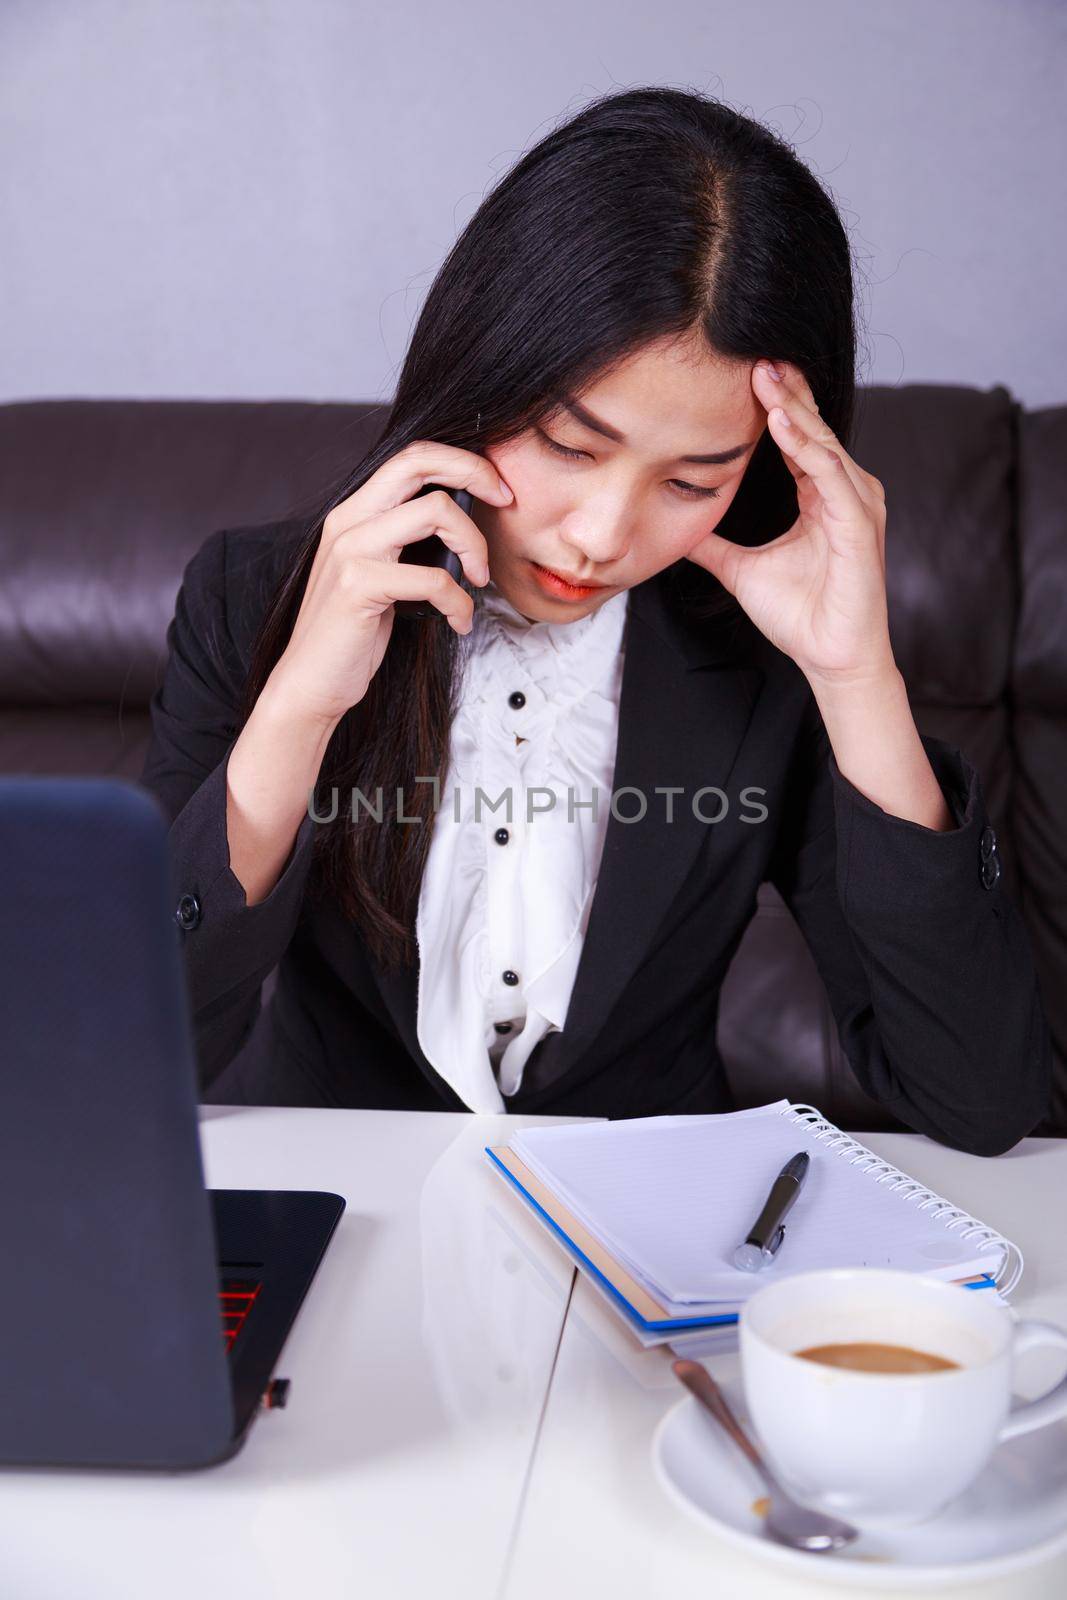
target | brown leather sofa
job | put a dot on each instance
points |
(103, 502)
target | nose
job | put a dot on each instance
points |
(599, 529)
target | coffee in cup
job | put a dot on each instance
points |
(884, 1444)
(867, 1357)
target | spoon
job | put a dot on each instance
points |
(786, 1522)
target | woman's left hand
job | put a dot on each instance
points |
(818, 591)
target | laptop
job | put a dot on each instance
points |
(141, 1315)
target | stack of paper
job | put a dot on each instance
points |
(653, 1208)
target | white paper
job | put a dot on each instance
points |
(671, 1198)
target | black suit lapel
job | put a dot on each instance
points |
(687, 696)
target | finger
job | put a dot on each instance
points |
(377, 584)
(410, 470)
(770, 390)
(723, 558)
(813, 426)
(383, 537)
(772, 385)
(844, 505)
(796, 384)
(800, 405)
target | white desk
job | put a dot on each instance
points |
(419, 1367)
(458, 1425)
(595, 1519)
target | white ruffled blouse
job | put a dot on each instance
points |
(506, 895)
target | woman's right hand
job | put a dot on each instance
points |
(346, 617)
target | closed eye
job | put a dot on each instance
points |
(689, 490)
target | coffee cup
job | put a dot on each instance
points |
(880, 1395)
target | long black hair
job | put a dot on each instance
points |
(652, 212)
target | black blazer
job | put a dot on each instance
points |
(925, 959)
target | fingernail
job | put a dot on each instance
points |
(772, 371)
(504, 490)
(783, 418)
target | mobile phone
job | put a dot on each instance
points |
(433, 552)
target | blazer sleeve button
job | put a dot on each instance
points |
(187, 914)
(987, 843)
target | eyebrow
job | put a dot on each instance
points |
(718, 458)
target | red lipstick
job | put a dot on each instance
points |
(560, 588)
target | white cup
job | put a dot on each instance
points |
(885, 1449)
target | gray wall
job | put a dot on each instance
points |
(249, 198)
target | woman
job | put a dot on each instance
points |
(709, 702)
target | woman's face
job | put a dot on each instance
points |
(623, 507)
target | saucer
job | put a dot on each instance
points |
(1013, 1516)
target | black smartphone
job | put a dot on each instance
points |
(433, 552)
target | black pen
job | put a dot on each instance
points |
(764, 1239)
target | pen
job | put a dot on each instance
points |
(764, 1239)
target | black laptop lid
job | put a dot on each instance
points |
(110, 1335)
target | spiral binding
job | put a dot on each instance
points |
(883, 1172)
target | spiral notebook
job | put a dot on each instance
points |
(651, 1209)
